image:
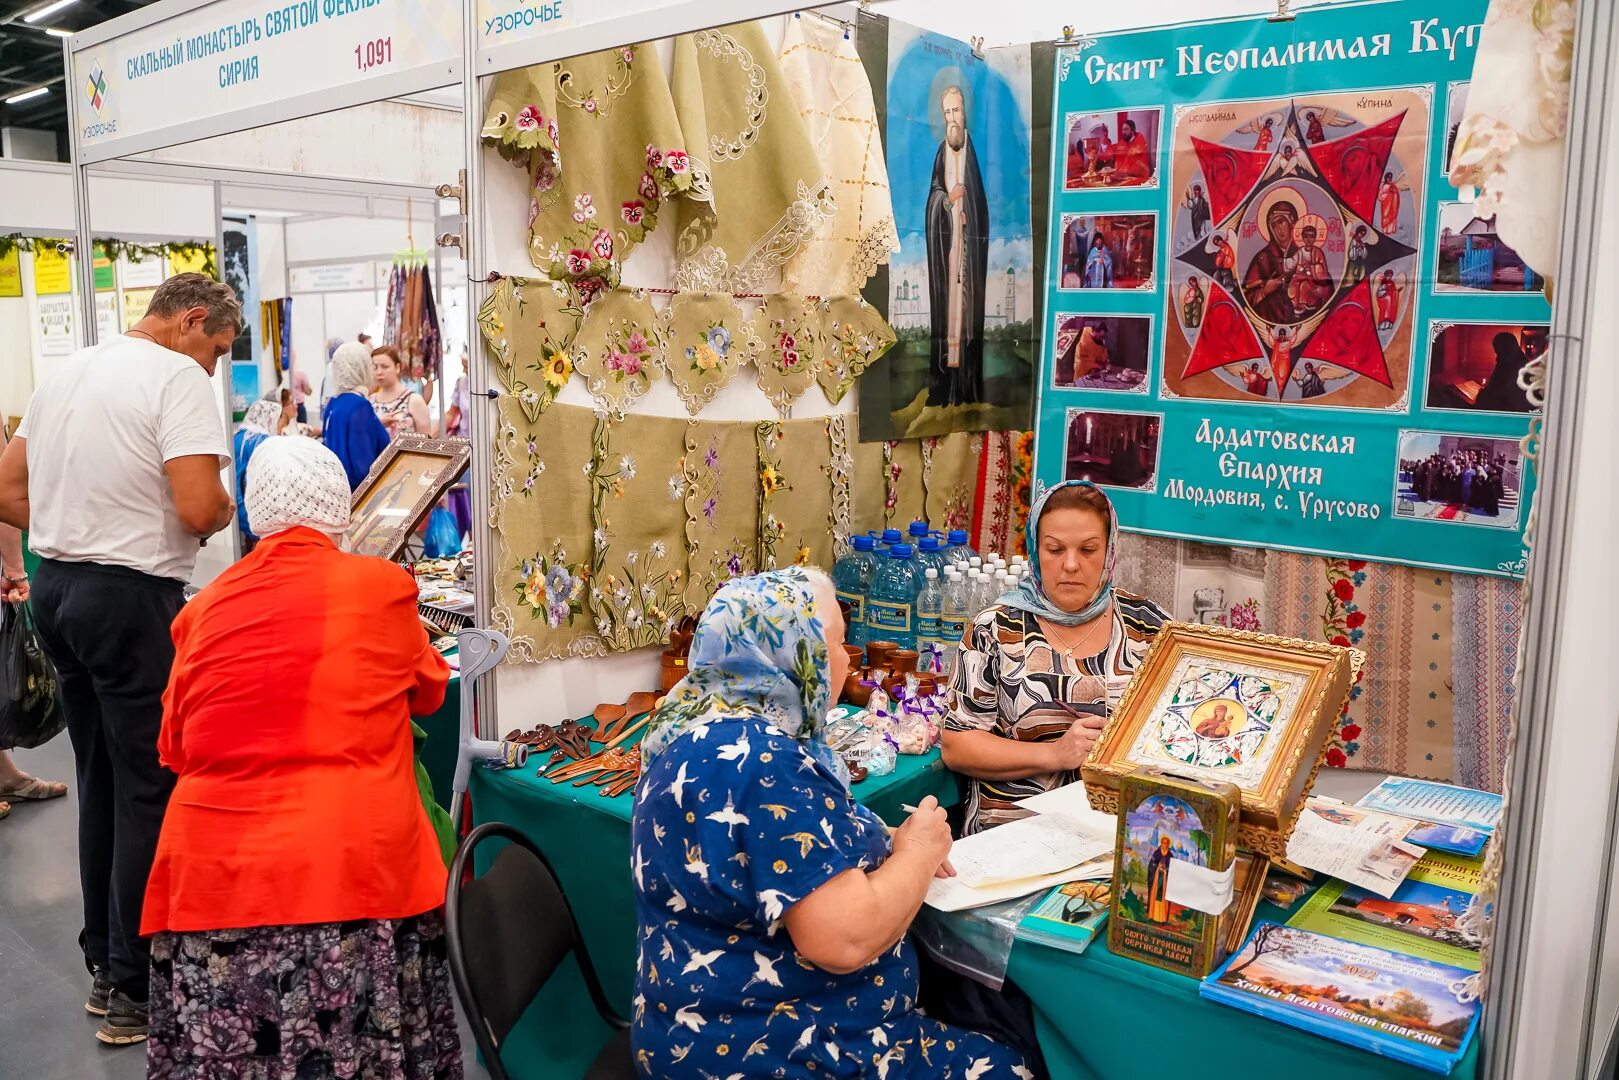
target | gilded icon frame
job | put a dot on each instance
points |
(1309, 682)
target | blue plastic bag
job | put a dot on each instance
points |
(443, 539)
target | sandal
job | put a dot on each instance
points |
(33, 789)
(5, 810)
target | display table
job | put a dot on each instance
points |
(443, 729)
(1100, 1015)
(587, 839)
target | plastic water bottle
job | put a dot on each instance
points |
(929, 555)
(890, 538)
(851, 576)
(930, 640)
(956, 546)
(953, 625)
(918, 530)
(891, 603)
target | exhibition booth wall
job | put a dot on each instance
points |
(1552, 1017)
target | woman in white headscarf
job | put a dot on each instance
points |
(291, 937)
(261, 421)
(350, 427)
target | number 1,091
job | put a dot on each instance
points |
(371, 54)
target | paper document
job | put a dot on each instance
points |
(1026, 848)
(1361, 847)
(1071, 804)
(950, 894)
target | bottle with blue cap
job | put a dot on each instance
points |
(890, 537)
(851, 576)
(891, 603)
(956, 546)
(930, 555)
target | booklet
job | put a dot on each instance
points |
(1068, 917)
(1398, 1006)
(1430, 801)
(1419, 919)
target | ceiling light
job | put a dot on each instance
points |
(49, 9)
(56, 31)
(26, 94)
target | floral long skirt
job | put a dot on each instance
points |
(333, 1001)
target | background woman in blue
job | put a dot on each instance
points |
(772, 908)
(349, 425)
(258, 423)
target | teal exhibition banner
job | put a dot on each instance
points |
(1270, 318)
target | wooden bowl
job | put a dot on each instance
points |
(902, 661)
(877, 652)
(853, 692)
(673, 669)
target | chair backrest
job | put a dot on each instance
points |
(507, 930)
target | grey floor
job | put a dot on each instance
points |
(45, 1034)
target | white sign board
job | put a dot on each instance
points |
(55, 325)
(146, 274)
(585, 26)
(236, 64)
(341, 277)
(106, 316)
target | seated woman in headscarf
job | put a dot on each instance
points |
(772, 907)
(259, 423)
(350, 426)
(295, 894)
(1041, 669)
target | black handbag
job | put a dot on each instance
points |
(31, 712)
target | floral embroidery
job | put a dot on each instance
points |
(1022, 489)
(891, 474)
(772, 481)
(789, 325)
(707, 339)
(1243, 616)
(596, 100)
(527, 326)
(841, 473)
(1343, 623)
(552, 588)
(854, 336)
(616, 350)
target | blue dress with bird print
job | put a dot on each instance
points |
(735, 823)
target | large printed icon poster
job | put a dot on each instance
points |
(961, 289)
(1271, 319)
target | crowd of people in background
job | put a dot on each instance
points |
(1468, 478)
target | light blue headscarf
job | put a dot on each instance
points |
(759, 651)
(1030, 595)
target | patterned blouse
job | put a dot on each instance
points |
(398, 409)
(1008, 669)
(736, 823)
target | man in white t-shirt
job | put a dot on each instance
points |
(115, 473)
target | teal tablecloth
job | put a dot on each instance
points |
(1101, 1016)
(443, 729)
(587, 839)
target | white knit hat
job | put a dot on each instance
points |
(293, 480)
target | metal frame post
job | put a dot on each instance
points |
(481, 424)
(1574, 309)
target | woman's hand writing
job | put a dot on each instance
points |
(927, 834)
(1070, 751)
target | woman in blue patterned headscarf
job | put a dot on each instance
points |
(772, 907)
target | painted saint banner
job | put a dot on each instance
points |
(1271, 320)
(961, 289)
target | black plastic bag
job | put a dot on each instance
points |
(31, 712)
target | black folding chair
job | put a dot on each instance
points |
(507, 931)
